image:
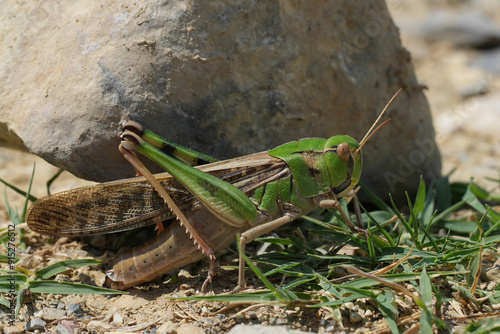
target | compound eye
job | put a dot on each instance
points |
(343, 152)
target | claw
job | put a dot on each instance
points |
(211, 273)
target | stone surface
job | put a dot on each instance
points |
(60, 329)
(74, 309)
(50, 314)
(226, 79)
(34, 324)
(355, 317)
(18, 328)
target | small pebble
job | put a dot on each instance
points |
(204, 311)
(117, 320)
(206, 322)
(71, 326)
(60, 329)
(349, 305)
(50, 314)
(34, 324)
(330, 329)
(354, 317)
(168, 327)
(253, 315)
(190, 329)
(73, 308)
(18, 328)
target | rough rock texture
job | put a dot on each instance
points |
(226, 78)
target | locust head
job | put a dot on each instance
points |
(344, 163)
(344, 160)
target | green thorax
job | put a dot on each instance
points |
(316, 166)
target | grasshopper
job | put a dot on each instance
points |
(209, 201)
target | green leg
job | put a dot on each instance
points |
(184, 154)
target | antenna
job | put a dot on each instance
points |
(369, 134)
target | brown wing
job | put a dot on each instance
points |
(132, 203)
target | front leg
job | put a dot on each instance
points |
(333, 203)
(255, 232)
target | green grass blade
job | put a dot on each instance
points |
(449, 210)
(473, 201)
(428, 235)
(475, 263)
(19, 191)
(16, 220)
(429, 205)
(244, 297)
(400, 216)
(62, 266)
(25, 208)
(375, 199)
(443, 193)
(446, 240)
(5, 287)
(64, 288)
(19, 303)
(426, 296)
(495, 217)
(4, 301)
(385, 302)
(379, 227)
(413, 223)
(14, 217)
(371, 249)
(300, 281)
(484, 326)
(478, 191)
(419, 204)
(52, 179)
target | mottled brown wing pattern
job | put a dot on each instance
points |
(104, 208)
(133, 203)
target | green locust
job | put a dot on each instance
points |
(208, 205)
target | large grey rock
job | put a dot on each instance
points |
(225, 78)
